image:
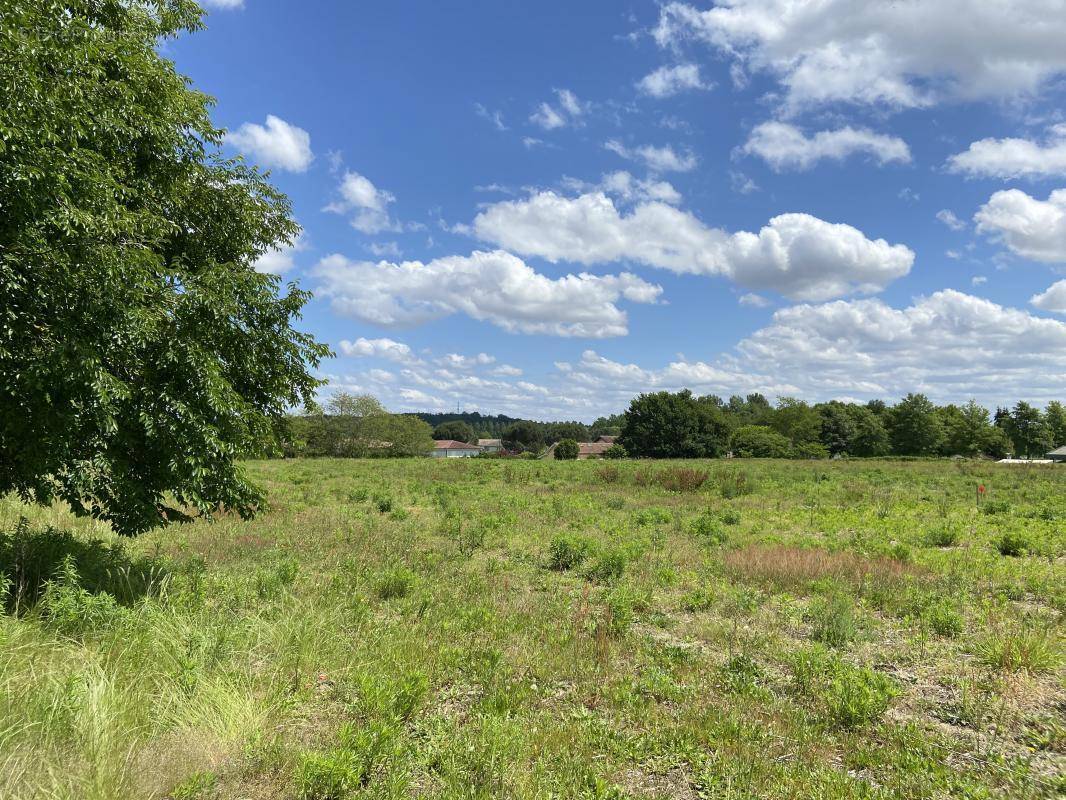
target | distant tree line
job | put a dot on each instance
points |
(522, 435)
(356, 426)
(682, 425)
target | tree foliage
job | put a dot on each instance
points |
(760, 441)
(567, 450)
(141, 354)
(456, 430)
(674, 425)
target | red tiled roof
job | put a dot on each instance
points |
(451, 444)
(592, 448)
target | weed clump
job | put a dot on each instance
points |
(833, 620)
(395, 583)
(682, 479)
(708, 528)
(734, 484)
(567, 551)
(1020, 649)
(1013, 544)
(607, 567)
(850, 696)
(942, 537)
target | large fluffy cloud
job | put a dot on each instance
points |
(1014, 158)
(949, 345)
(388, 349)
(496, 287)
(900, 54)
(1032, 228)
(785, 146)
(797, 255)
(1053, 299)
(277, 144)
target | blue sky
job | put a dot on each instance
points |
(544, 209)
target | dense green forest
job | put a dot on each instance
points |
(683, 425)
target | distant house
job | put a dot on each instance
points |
(607, 439)
(585, 449)
(1058, 455)
(449, 448)
(490, 445)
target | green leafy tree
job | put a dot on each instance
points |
(674, 425)
(871, 437)
(1028, 430)
(1055, 418)
(567, 450)
(838, 427)
(557, 431)
(141, 354)
(914, 427)
(796, 421)
(455, 429)
(760, 441)
(524, 436)
(615, 451)
(968, 430)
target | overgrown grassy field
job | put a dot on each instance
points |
(483, 629)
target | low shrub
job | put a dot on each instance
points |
(699, 599)
(731, 517)
(73, 610)
(608, 473)
(850, 696)
(944, 619)
(607, 567)
(708, 528)
(615, 451)
(567, 551)
(384, 504)
(1013, 544)
(993, 507)
(942, 537)
(833, 620)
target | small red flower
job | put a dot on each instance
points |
(981, 489)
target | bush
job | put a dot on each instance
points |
(73, 610)
(567, 450)
(608, 473)
(682, 479)
(615, 451)
(607, 567)
(851, 696)
(944, 620)
(731, 517)
(759, 441)
(942, 537)
(384, 504)
(709, 528)
(993, 507)
(1013, 544)
(567, 551)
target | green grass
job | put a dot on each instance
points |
(515, 629)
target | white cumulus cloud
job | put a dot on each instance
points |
(949, 345)
(668, 81)
(1031, 228)
(1053, 299)
(1014, 158)
(784, 146)
(495, 287)
(368, 205)
(388, 349)
(894, 54)
(567, 111)
(797, 255)
(277, 144)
